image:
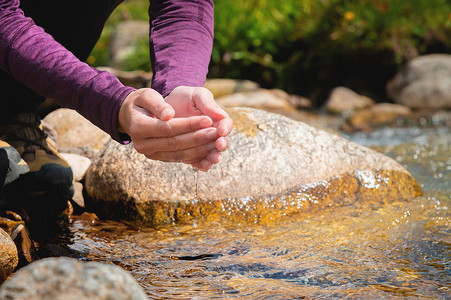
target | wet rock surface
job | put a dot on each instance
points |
(378, 115)
(68, 278)
(269, 155)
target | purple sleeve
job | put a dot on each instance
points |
(34, 58)
(181, 40)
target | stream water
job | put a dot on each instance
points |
(400, 249)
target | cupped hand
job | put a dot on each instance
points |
(161, 133)
(199, 101)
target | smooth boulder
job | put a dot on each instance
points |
(425, 82)
(70, 279)
(73, 130)
(343, 100)
(222, 86)
(274, 166)
(260, 99)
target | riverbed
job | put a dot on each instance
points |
(359, 251)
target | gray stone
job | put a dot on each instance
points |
(74, 130)
(69, 279)
(8, 255)
(377, 115)
(343, 100)
(17, 166)
(425, 82)
(223, 87)
(269, 154)
(78, 163)
(295, 100)
(260, 99)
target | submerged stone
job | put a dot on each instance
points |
(274, 167)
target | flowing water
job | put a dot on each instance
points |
(397, 250)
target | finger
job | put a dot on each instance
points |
(207, 105)
(188, 156)
(222, 144)
(154, 128)
(153, 102)
(224, 126)
(183, 141)
(202, 165)
(213, 157)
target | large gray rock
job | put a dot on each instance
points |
(425, 82)
(8, 255)
(269, 154)
(69, 279)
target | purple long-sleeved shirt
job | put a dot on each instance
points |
(181, 35)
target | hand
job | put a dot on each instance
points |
(198, 101)
(150, 122)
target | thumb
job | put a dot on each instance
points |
(153, 102)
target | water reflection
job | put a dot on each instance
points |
(356, 251)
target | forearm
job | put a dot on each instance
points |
(34, 58)
(181, 40)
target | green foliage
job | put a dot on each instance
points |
(304, 46)
(274, 41)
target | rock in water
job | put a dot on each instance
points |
(68, 278)
(300, 166)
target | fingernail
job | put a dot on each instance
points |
(206, 123)
(215, 157)
(224, 130)
(205, 165)
(211, 146)
(222, 144)
(166, 113)
(212, 134)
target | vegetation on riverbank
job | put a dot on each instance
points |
(309, 46)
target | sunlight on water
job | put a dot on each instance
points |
(401, 249)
